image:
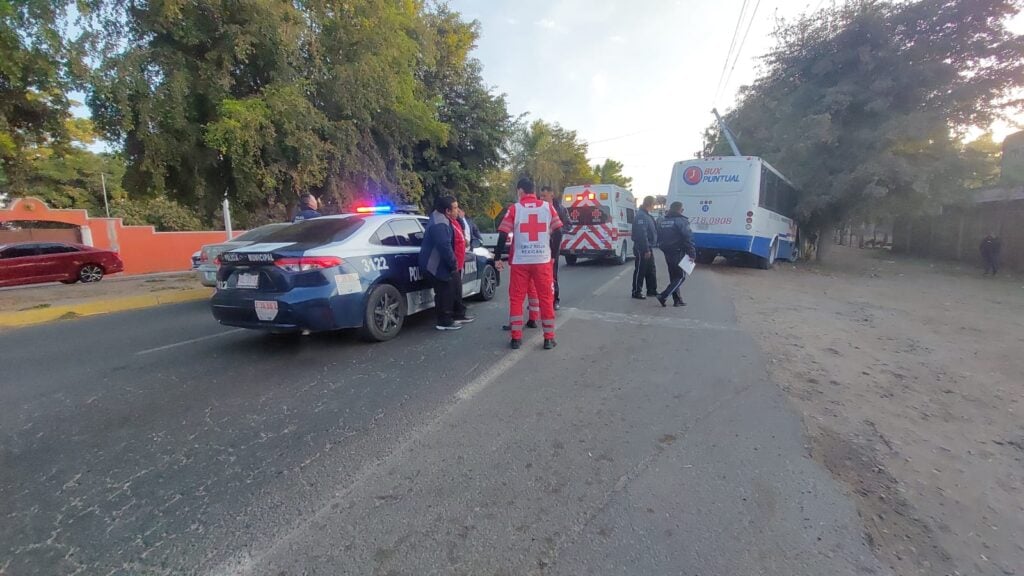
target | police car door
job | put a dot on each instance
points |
(406, 236)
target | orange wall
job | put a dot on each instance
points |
(142, 248)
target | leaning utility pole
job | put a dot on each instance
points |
(728, 133)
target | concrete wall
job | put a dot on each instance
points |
(142, 248)
(956, 233)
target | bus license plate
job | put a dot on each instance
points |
(248, 281)
(701, 226)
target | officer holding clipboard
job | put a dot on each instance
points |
(676, 240)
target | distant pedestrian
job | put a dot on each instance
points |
(441, 260)
(676, 240)
(470, 230)
(548, 195)
(645, 238)
(308, 208)
(990, 248)
(532, 222)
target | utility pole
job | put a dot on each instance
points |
(227, 216)
(728, 134)
(103, 183)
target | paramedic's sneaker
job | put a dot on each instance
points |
(465, 319)
(506, 327)
(549, 343)
(449, 327)
(531, 324)
(661, 301)
(516, 344)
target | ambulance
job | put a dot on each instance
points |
(600, 223)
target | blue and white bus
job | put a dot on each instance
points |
(739, 207)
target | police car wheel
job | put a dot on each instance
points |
(384, 314)
(488, 283)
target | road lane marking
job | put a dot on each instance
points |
(644, 320)
(186, 342)
(604, 287)
(248, 562)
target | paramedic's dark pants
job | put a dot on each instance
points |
(644, 270)
(675, 274)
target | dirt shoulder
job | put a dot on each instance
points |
(910, 377)
(27, 305)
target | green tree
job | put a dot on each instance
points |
(551, 155)
(38, 66)
(861, 105)
(610, 172)
(479, 126)
(263, 100)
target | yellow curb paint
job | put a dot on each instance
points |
(41, 315)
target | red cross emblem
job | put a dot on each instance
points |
(533, 228)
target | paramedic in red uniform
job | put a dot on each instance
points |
(533, 222)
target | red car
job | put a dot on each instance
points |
(35, 262)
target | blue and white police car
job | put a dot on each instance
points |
(334, 272)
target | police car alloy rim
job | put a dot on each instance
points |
(490, 284)
(385, 312)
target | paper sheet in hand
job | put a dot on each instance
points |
(687, 264)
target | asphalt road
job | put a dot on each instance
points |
(651, 441)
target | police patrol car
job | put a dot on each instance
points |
(333, 272)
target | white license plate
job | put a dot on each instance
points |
(266, 310)
(701, 226)
(248, 281)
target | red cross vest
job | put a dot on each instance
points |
(531, 237)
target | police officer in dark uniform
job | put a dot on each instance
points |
(308, 208)
(645, 238)
(676, 240)
(548, 195)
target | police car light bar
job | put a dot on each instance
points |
(373, 209)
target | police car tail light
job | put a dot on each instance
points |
(307, 263)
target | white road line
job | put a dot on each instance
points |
(248, 562)
(185, 342)
(604, 287)
(644, 320)
(484, 380)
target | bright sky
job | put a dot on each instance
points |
(636, 79)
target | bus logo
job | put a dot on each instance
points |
(693, 175)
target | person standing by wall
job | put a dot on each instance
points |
(308, 208)
(548, 195)
(676, 240)
(645, 237)
(439, 262)
(990, 248)
(533, 222)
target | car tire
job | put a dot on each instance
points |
(384, 314)
(705, 258)
(621, 257)
(89, 273)
(571, 259)
(69, 281)
(488, 284)
(769, 261)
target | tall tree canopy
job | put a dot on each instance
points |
(551, 155)
(610, 172)
(863, 105)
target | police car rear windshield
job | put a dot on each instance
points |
(316, 231)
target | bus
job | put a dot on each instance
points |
(739, 207)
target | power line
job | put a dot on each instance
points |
(739, 50)
(728, 55)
